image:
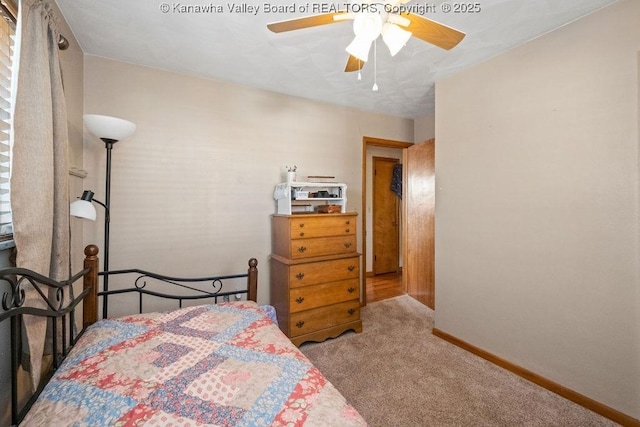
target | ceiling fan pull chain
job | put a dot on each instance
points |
(375, 66)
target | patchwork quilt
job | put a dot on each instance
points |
(212, 365)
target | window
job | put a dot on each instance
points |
(7, 36)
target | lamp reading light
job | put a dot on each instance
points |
(83, 208)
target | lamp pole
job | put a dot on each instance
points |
(107, 219)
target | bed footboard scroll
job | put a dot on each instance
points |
(51, 300)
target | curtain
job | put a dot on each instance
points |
(39, 178)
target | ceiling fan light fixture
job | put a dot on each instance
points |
(367, 26)
(359, 48)
(395, 37)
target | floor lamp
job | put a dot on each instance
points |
(110, 130)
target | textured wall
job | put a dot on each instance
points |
(72, 63)
(537, 206)
(192, 190)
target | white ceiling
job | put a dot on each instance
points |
(309, 63)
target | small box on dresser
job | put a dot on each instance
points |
(315, 275)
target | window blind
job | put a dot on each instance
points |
(7, 37)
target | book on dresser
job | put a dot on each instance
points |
(315, 275)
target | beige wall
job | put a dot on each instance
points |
(537, 206)
(424, 128)
(192, 190)
(72, 64)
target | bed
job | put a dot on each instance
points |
(222, 364)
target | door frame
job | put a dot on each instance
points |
(368, 141)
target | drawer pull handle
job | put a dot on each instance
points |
(351, 290)
(351, 311)
(347, 244)
(300, 324)
(347, 222)
(301, 224)
(299, 300)
(351, 268)
(347, 231)
(302, 234)
(302, 249)
(299, 276)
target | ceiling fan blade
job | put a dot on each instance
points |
(433, 32)
(353, 64)
(306, 22)
(344, 16)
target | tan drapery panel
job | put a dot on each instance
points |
(39, 180)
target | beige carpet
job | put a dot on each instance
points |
(396, 373)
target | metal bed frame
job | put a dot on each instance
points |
(59, 306)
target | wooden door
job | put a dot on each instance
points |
(419, 226)
(386, 234)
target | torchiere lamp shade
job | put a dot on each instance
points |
(106, 127)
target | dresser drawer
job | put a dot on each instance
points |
(306, 248)
(322, 227)
(313, 273)
(305, 322)
(309, 297)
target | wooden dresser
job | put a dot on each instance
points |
(315, 275)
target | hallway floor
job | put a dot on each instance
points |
(384, 286)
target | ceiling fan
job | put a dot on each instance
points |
(390, 19)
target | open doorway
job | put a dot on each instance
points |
(383, 256)
(417, 232)
(385, 272)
